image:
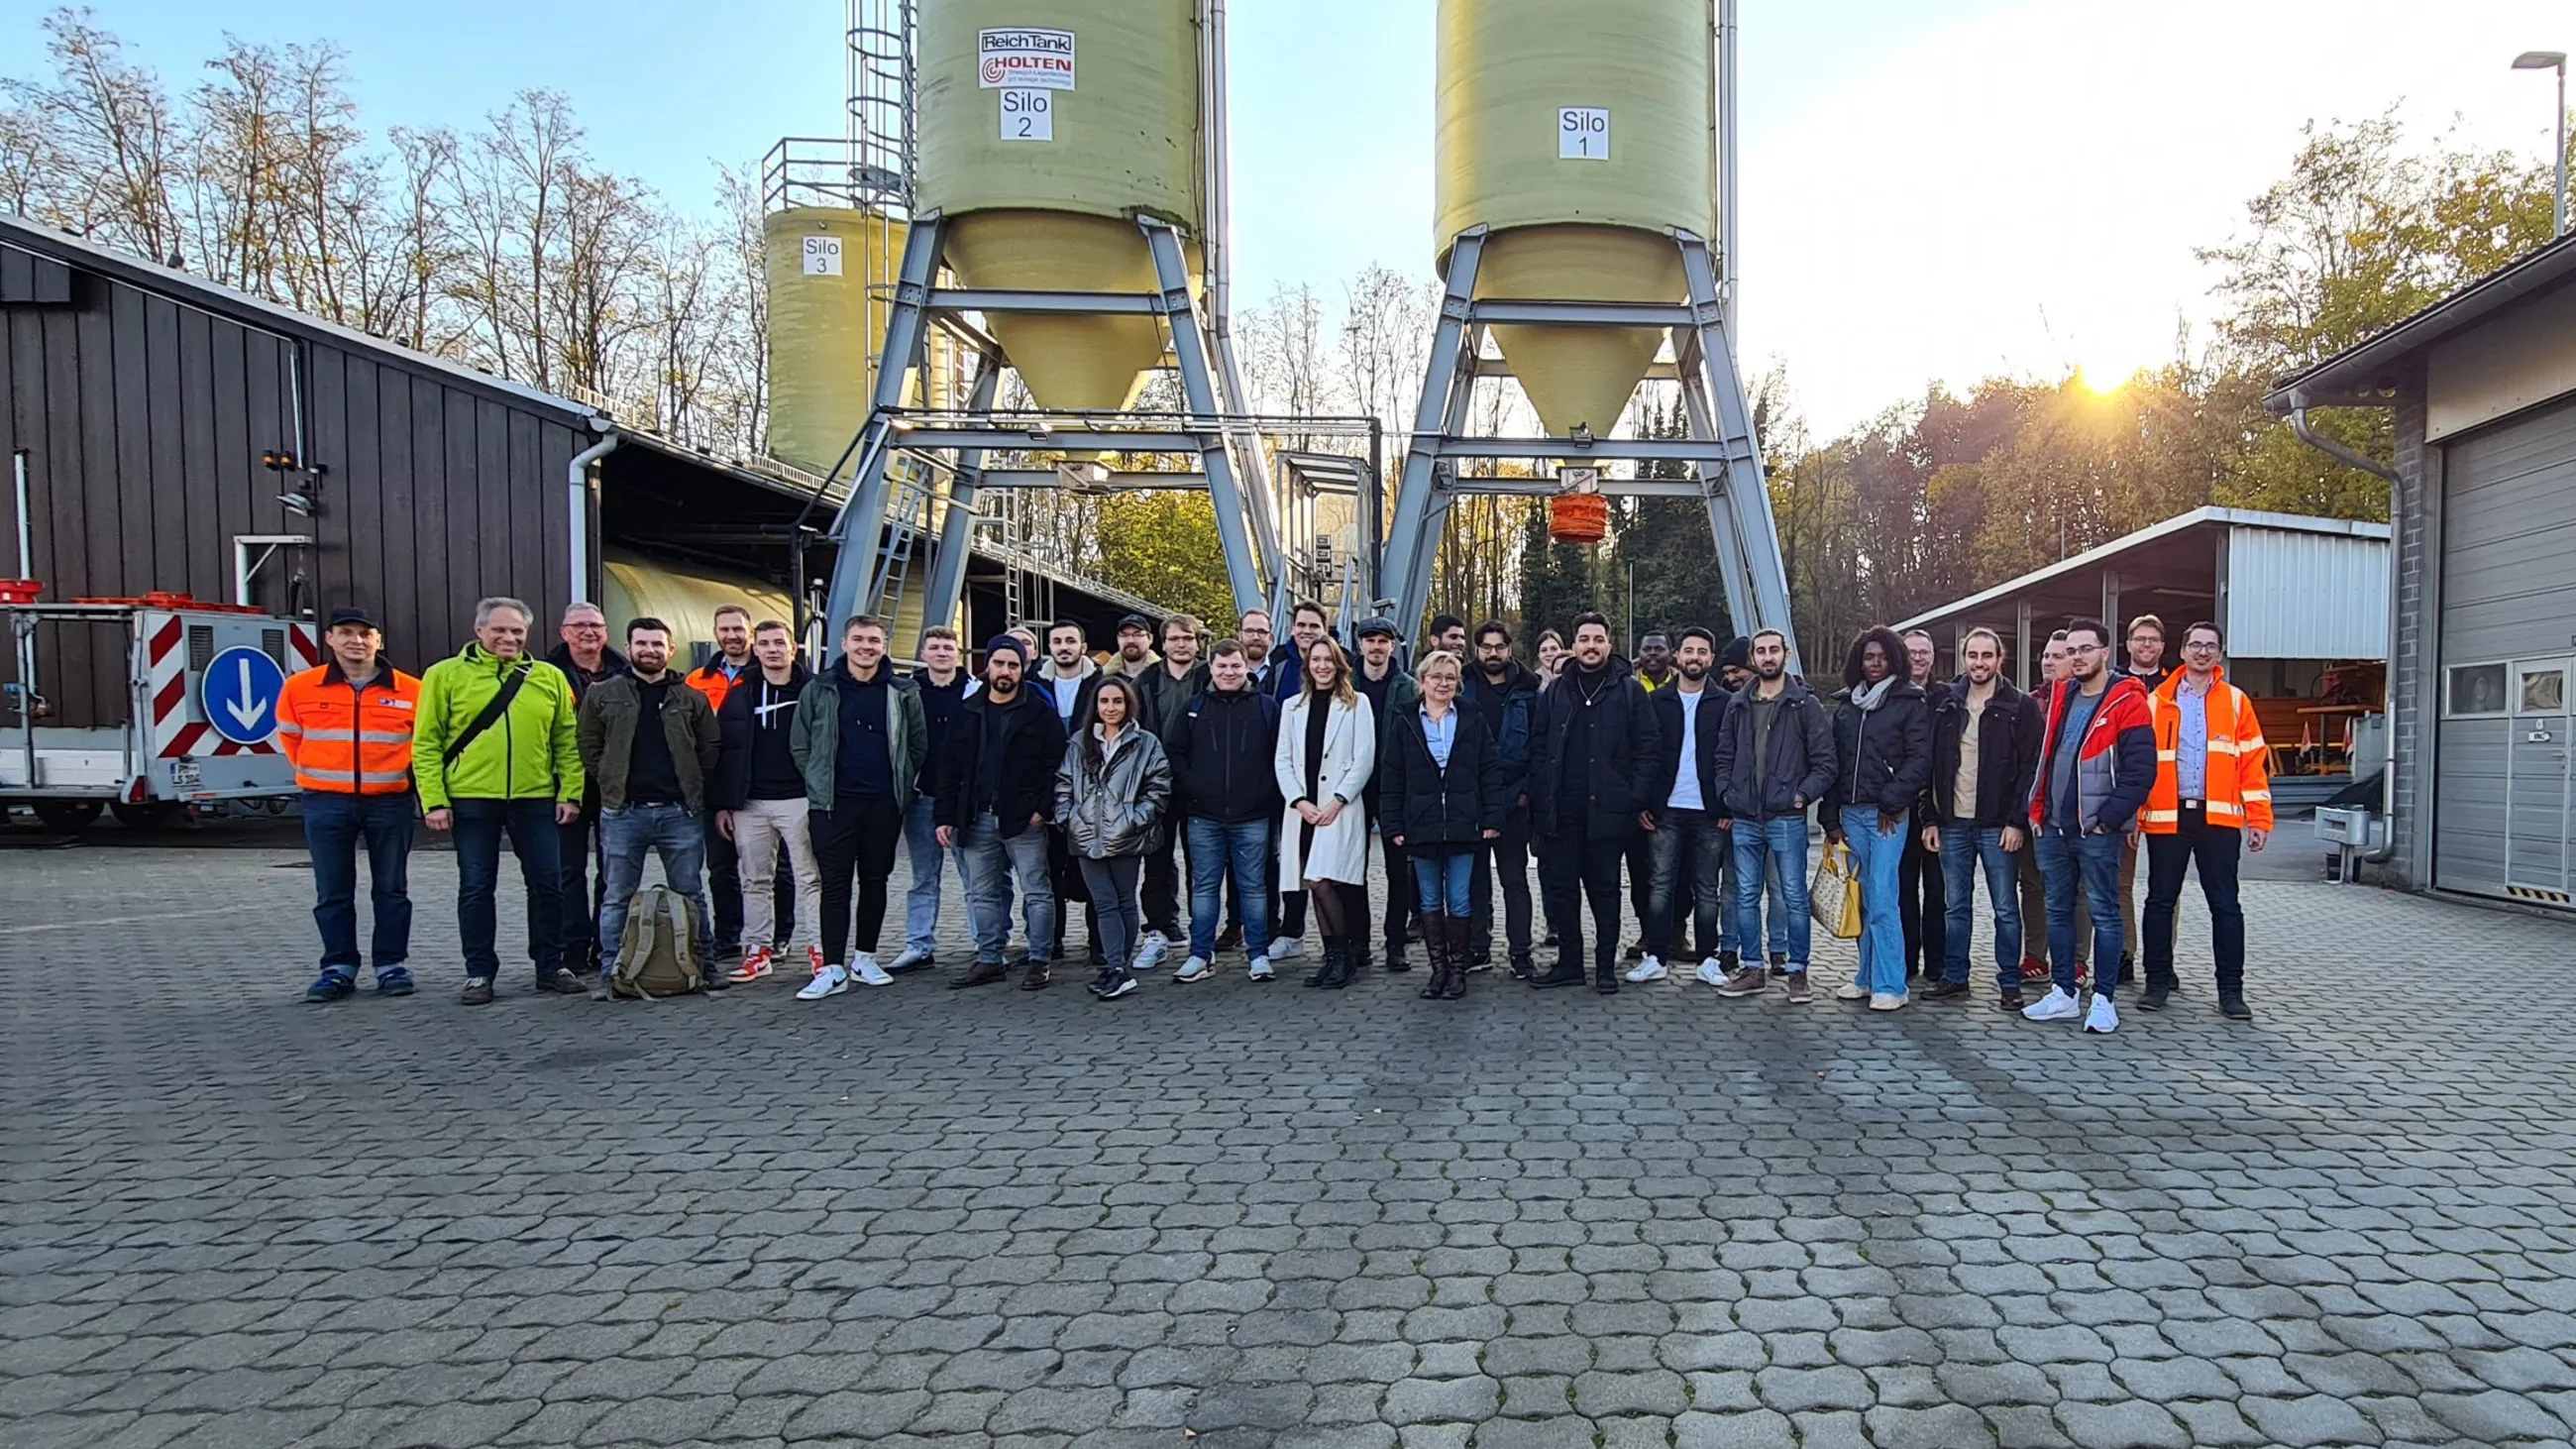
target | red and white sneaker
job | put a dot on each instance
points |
(754, 966)
(814, 959)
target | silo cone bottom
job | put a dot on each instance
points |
(1576, 374)
(1068, 362)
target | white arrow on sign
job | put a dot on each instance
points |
(246, 711)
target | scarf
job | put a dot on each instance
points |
(1870, 696)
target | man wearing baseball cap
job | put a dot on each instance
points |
(347, 726)
(1135, 648)
(1395, 697)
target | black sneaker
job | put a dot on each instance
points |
(1944, 990)
(561, 983)
(1116, 983)
(710, 980)
(1523, 968)
(478, 991)
(1779, 963)
(2235, 1009)
(1229, 938)
(1107, 978)
(2153, 998)
(2009, 1001)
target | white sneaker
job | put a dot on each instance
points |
(864, 966)
(1710, 973)
(2055, 1006)
(1287, 948)
(1194, 969)
(2104, 1018)
(1261, 968)
(1648, 968)
(830, 981)
(1887, 1001)
(1150, 951)
(1851, 991)
(906, 959)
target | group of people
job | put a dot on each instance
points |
(1265, 772)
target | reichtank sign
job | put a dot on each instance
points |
(1024, 59)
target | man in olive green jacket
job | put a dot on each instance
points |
(859, 739)
(649, 742)
(488, 768)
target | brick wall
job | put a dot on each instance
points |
(2413, 677)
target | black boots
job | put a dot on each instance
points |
(1435, 944)
(1457, 983)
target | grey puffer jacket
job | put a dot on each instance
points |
(1112, 806)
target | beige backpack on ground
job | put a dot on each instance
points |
(658, 955)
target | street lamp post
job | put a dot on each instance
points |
(2553, 60)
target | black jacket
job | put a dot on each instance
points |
(1167, 700)
(2010, 735)
(1023, 773)
(1429, 806)
(1800, 763)
(1711, 726)
(1882, 757)
(738, 728)
(1519, 691)
(1617, 779)
(1224, 757)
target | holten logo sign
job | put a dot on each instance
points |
(1024, 58)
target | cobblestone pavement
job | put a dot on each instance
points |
(1255, 1215)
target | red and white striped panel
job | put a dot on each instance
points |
(174, 735)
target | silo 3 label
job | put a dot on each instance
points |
(1583, 133)
(1024, 58)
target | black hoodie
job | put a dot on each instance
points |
(1595, 751)
(756, 763)
(1223, 757)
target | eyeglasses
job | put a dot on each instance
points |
(2086, 648)
(2201, 646)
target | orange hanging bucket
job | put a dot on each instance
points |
(1578, 518)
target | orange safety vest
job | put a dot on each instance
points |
(2236, 781)
(709, 680)
(345, 739)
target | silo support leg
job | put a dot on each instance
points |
(1746, 496)
(957, 530)
(1733, 561)
(1198, 389)
(1448, 384)
(861, 525)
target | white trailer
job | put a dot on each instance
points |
(200, 720)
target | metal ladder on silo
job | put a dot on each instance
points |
(907, 518)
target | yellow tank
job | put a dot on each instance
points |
(1044, 131)
(1578, 204)
(830, 276)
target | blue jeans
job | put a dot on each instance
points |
(1689, 844)
(1241, 853)
(333, 826)
(530, 824)
(1875, 856)
(1963, 849)
(1444, 879)
(988, 860)
(921, 900)
(625, 838)
(2090, 863)
(1762, 845)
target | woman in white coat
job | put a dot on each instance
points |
(1327, 747)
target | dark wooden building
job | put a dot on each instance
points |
(156, 415)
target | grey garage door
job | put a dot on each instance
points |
(2504, 789)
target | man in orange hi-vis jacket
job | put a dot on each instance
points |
(347, 727)
(2213, 795)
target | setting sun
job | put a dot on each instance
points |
(2105, 378)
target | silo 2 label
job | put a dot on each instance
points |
(1024, 58)
(1583, 133)
(1027, 116)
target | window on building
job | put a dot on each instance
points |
(2476, 689)
(2544, 690)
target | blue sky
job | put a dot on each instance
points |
(1931, 190)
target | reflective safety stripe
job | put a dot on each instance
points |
(336, 777)
(2164, 757)
(397, 777)
(2158, 817)
(2253, 795)
(289, 727)
(384, 737)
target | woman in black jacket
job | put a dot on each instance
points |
(1442, 794)
(1883, 742)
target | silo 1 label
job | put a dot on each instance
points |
(1028, 116)
(1583, 133)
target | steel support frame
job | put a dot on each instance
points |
(858, 582)
(1722, 445)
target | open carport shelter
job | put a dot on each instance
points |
(2303, 602)
(2483, 389)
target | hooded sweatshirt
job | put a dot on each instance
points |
(755, 721)
(1066, 688)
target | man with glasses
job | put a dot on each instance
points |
(2097, 762)
(2145, 663)
(585, 659)
(2212, 795)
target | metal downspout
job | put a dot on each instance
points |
(577, 489)
(2387, 850)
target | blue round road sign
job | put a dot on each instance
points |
(238, 693)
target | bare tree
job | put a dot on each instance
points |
(109, 132)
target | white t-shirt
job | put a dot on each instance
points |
(1686, 779)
